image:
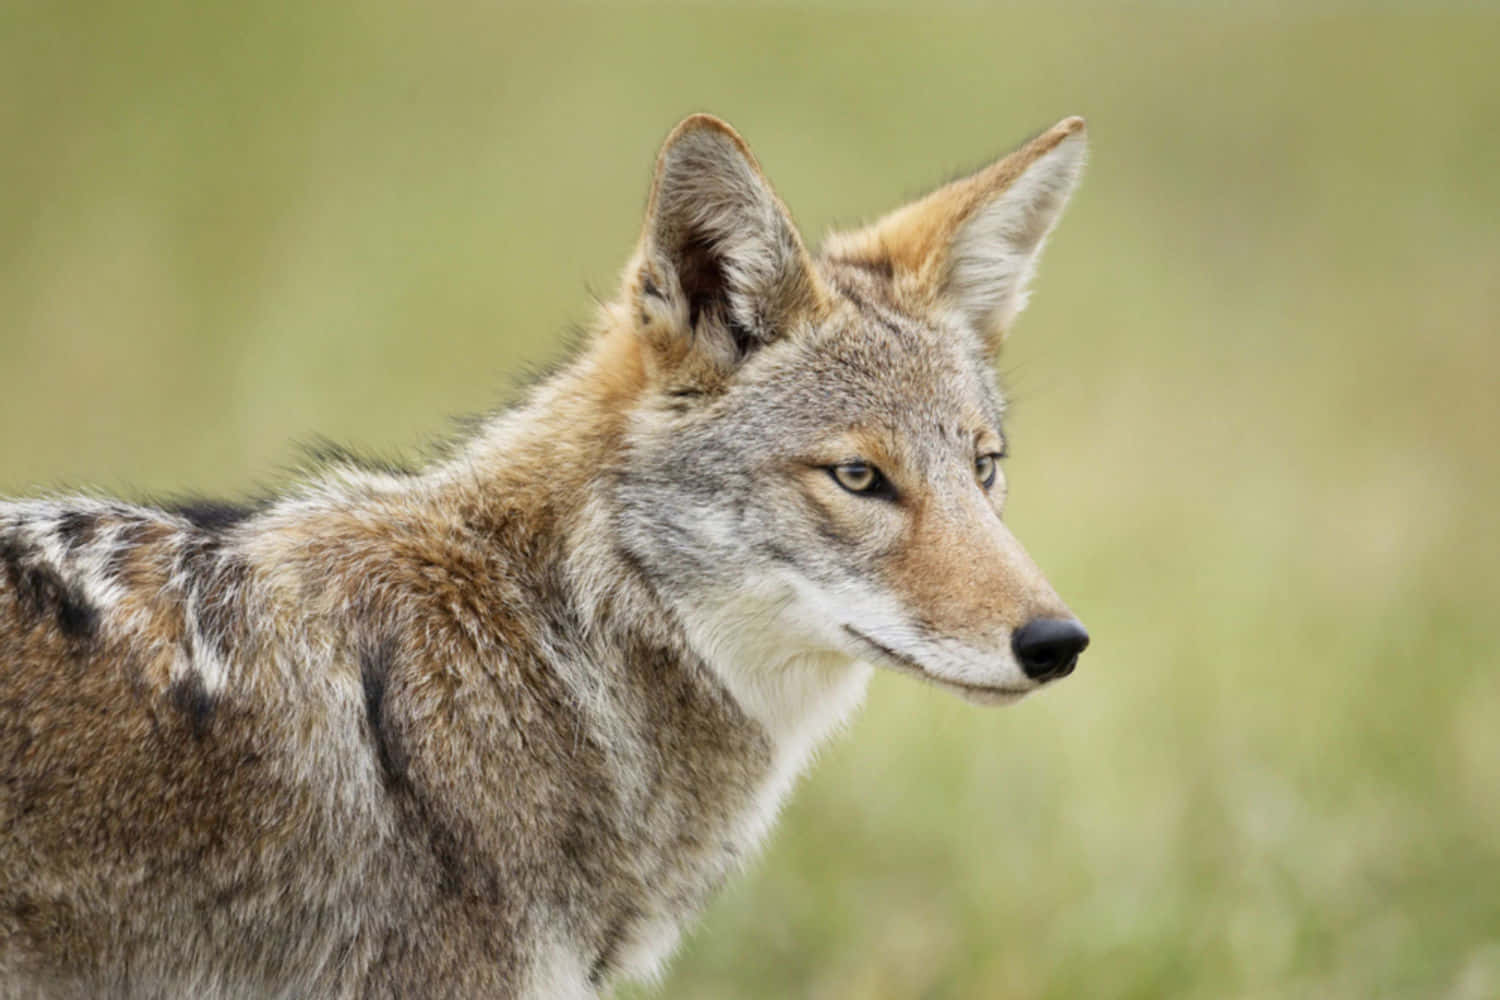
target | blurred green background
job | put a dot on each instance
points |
(1254, 437)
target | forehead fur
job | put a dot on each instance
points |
(869, 364)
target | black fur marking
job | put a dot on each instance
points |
(211, 515)
(191, 698)
(43, 592)
(648, 287)
(744, 340)
(375, 662)
(76, 617)
(216, 583)
(75, 529)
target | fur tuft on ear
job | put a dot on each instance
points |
(721, 268)
(973, 245)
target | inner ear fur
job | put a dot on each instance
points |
(972, 246)
(721, 269)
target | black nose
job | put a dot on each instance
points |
(1048, 648)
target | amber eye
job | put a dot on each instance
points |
(984, 470)
(860, 477)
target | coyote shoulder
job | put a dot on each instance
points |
(501, 725)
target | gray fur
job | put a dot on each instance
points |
(501, 726)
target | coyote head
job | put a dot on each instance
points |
(813, 474)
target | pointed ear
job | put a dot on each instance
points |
(973, 245)
(721, 269)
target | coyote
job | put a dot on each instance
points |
(500, 725)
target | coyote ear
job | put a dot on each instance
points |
(973, 245)
(721, 269)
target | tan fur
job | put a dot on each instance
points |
(913, 241)
(966, 585)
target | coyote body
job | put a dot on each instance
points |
(500, 726)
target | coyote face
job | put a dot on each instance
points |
(818, 469)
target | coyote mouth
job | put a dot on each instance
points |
(908, 665)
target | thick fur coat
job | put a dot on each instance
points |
(501, 725)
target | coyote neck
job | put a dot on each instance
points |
(543, 465)
(497, 588)
(569, 431)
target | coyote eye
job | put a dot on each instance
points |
(860, 477)
(984, 470)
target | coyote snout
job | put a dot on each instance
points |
(957, 600)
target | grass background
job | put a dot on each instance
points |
(1254, 443)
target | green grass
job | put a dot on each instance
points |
(1254, 432)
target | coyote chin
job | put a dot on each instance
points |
(500, 725)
